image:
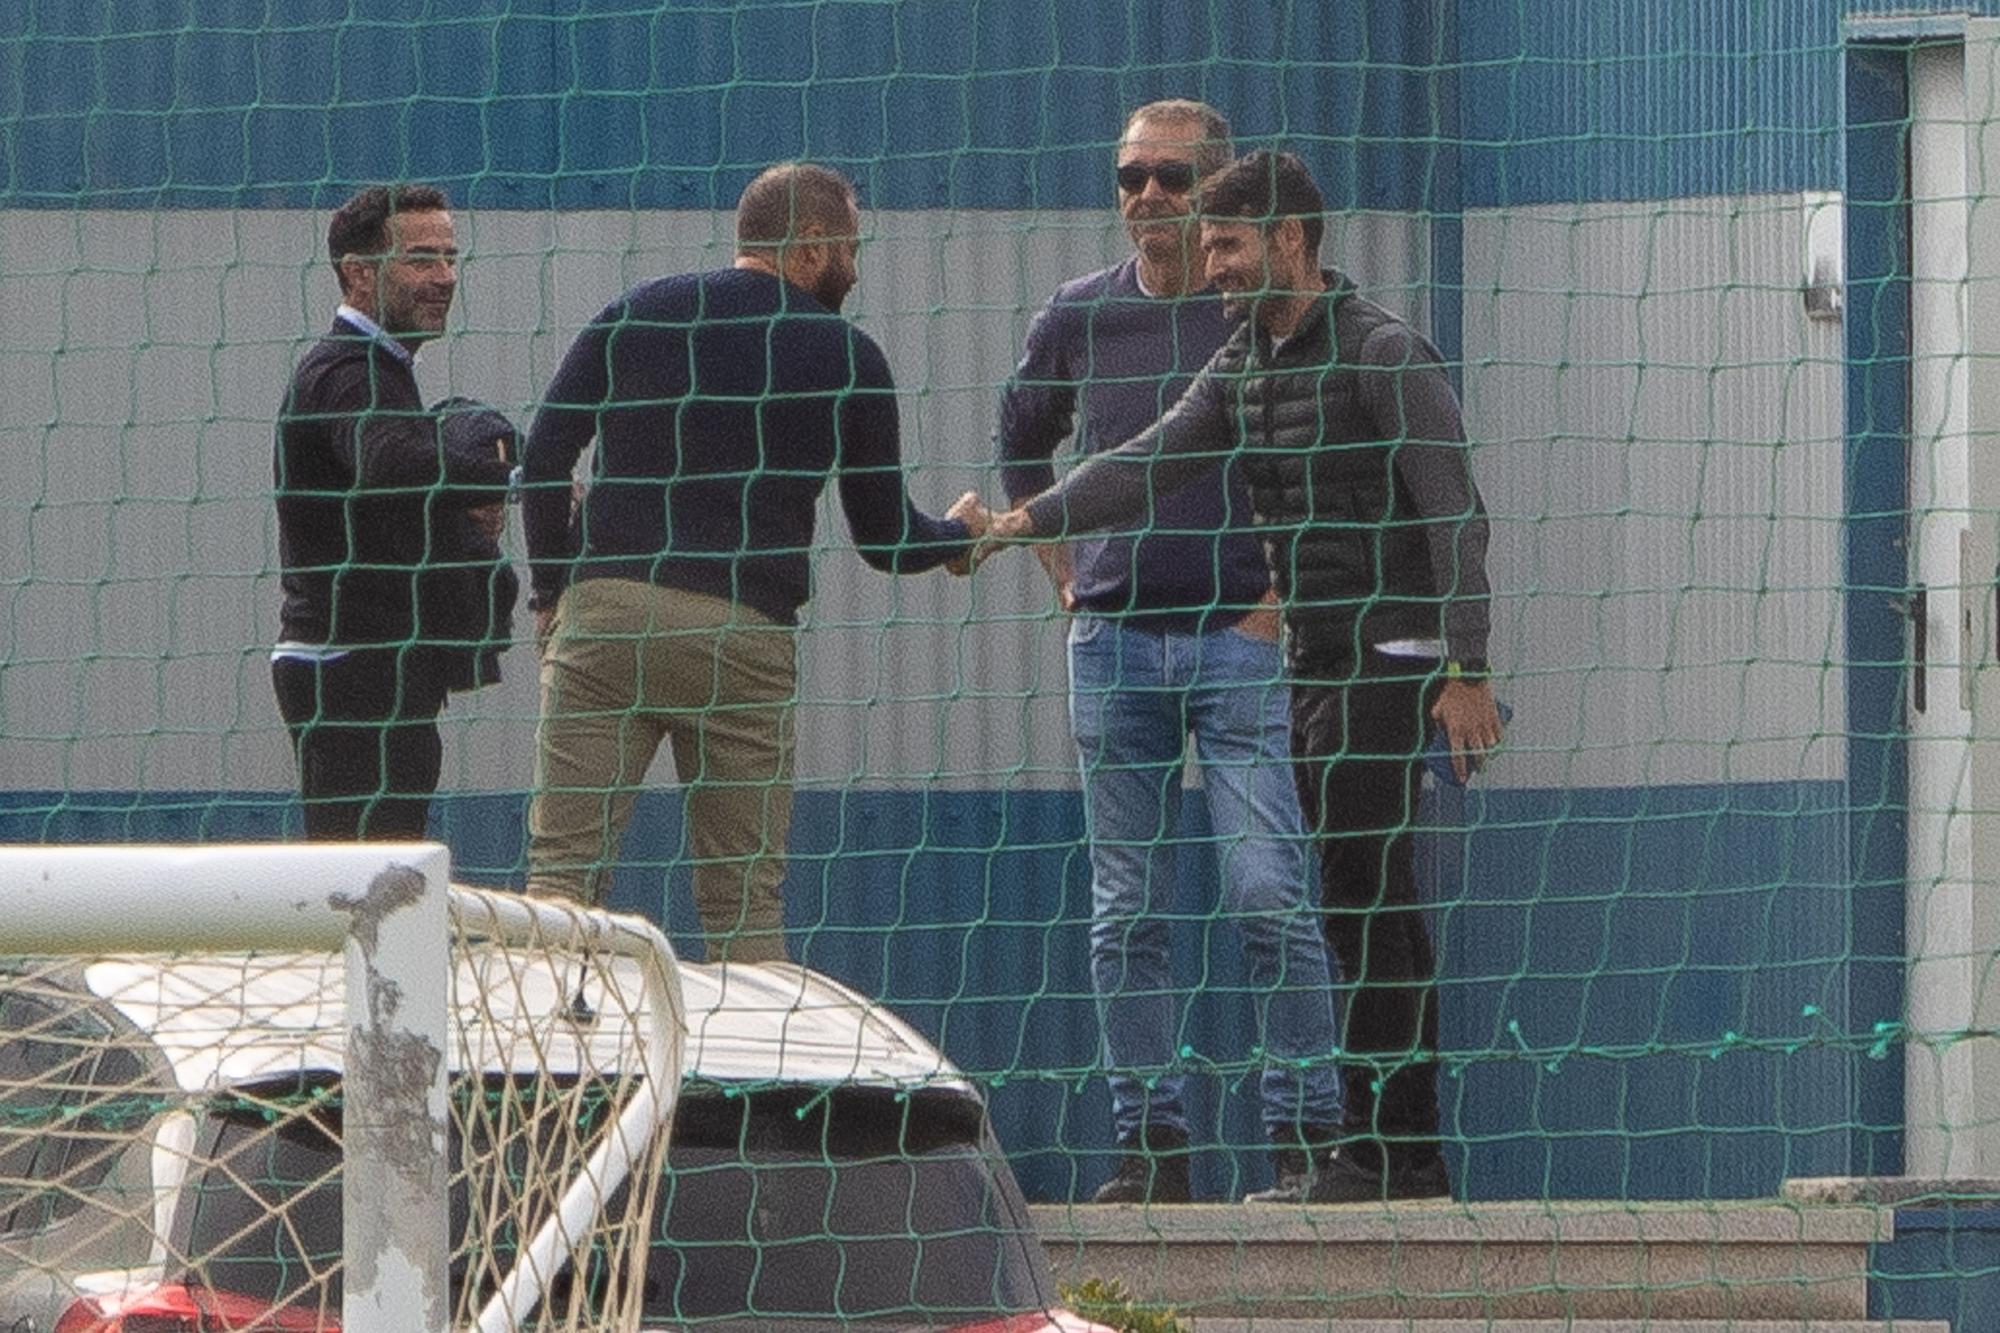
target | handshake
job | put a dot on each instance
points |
(990, 531)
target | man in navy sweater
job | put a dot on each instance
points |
(386, 514)
(720, 402)
(1174, 633)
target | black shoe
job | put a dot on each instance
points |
(1294, 1158)
(1294, 1177)
(1345, 1178)
(1152, 1171)
(1342, 1178)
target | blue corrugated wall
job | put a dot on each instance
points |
(575, 104)
(948, 103)
(1644, 990)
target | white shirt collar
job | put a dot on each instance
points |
(349, 315)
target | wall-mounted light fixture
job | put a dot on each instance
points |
(1825, 240)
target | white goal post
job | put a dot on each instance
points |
(437, 979)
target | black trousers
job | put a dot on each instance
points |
(1357, 748)
(364, 732)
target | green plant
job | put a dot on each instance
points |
(1107, 1302)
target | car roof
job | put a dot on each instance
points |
(785, 1022)
(234, 1020)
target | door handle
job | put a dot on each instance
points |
(1918, 608)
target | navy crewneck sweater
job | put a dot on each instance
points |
(721, 402)
(1105, 360)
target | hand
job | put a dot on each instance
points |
(1004, 530)
(491, 520)
(1055, 558)
(1471, 722)
(1263, 621)
(971, 511)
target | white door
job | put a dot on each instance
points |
(1951, 1098)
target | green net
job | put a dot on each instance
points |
(1712, 934)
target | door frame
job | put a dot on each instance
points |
(1876, 334)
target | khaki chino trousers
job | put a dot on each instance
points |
(627, 666)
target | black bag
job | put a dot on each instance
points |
(482, 577)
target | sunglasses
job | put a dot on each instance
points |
(1174, 177)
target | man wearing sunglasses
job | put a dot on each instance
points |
(1173, 633)
(1353, 446)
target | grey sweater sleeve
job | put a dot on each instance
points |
(1118, 487)
(1413, 407)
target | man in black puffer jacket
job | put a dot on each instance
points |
(1350, 438)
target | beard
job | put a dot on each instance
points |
(832, 284)
(409, 316)
(831, 292)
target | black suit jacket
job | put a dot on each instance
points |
(372, 497)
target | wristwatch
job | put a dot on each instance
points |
(1466, 668)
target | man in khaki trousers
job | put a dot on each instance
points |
(721, 402)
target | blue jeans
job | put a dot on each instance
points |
(1135, 695)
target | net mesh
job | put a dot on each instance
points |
(174, 1136)
(1706, 276)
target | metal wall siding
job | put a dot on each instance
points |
(1647, 99)
(143, 362)
(1659, 431)
(1679, 511)
(559, 104)
(553, 105)
(1676, 512)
